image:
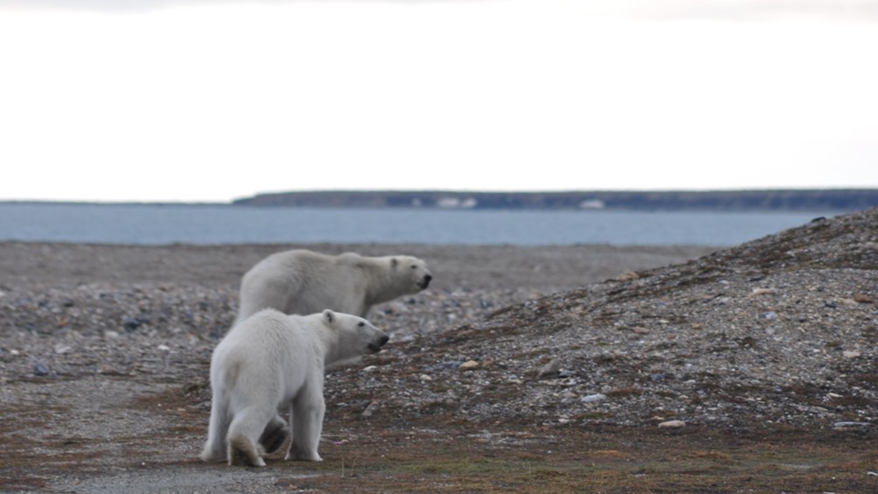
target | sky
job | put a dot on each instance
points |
(210, 101)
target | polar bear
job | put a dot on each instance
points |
(306, 282)
(274, 360)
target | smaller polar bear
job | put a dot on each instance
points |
(306, 282)
(274, 360)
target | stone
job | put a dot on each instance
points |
(593, 398)
(761, 291)
(371, 409)
(40, 369)
(627, 275)
(131, 323)
(550, 369)
(672, 424)
(468, 365)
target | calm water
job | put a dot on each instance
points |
(221, 224)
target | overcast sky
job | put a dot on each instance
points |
(187, 100)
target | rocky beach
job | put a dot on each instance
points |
(104, 352)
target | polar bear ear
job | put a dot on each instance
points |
(394, 262)
(328, 317)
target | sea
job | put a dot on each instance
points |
(211, 224)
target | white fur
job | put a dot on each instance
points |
(305, 282)
(274, 360)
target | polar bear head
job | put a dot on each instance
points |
(352, 336)
(410, 273)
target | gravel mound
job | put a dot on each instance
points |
(781, 330)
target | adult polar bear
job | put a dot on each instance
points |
(274, 360)
(305, 282)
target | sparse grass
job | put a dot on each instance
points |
(435, 454)
(624, 460)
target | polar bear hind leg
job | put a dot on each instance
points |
(215, 447)
(308, 409)
(274, 435)
(244, 430)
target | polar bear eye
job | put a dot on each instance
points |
(362, 324)
(414, 267)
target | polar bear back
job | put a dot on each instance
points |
(273, 347)
(306, 282)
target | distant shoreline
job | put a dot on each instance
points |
(725, 200)
(788, 200)
(800, 200)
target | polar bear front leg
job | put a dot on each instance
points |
(307, 420)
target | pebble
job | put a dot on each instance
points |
(594, 398)
(850, 354)
(841, 426)
(131, 323)
(468, 365)
(761, 291)
(40, 369)
(672, 424)
(550, 369)
(164, 348)
(371, 409)
(61, 349)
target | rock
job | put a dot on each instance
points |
(627, 275)
(131, 323)
(672, 424)
(862, 299)
(468, 365)
(593, 398)
(370, 368)
(371, 409)
(640, 330)
(550, 369)
(61, 349)
(850, 354)
(761, 291)
(846, 426)
(164, 348)
(40, 369)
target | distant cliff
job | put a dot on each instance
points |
(745, 200)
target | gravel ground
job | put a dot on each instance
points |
(104, 350)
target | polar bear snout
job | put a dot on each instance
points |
(376, 346)
(425, 281)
